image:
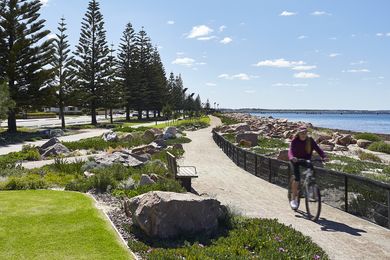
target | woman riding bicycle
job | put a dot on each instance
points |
(302, 147)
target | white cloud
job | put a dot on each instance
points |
(226, 40)
(357, 71)
(279, 63)
(388, 34)
(333, 38)
(199, 31)
(306, 75)
(201, 63)
(334, 55)
(44, 2)
(379, 34)
(171, 22)
(304, 67)
(302, 37)
(210, 84)
(287, 13)
(179, 53)
(290, 85)
(320, 13)
(250, 91)
(240, 76)
(207, 38)
(222, 28)
(360, 62)
(187, 62)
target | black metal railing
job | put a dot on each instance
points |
(360, 196)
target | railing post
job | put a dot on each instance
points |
(346, 193)
(388, 208)
(270, 171)
(255, 165)
(245, 160)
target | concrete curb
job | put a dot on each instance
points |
(113, 225)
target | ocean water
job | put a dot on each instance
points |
(373, 123)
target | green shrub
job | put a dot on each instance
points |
(103, 181)
(129, 129)
(28, 153)
(230, 137)
(60, 165)
(79, 184)
(161, 185)
(180, 140)
(28, 182)
(381, 147)
(368, 136)
(245, 239)
(274, 143)
(226, 120)
(369, 157)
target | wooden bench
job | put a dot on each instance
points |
(184, 174)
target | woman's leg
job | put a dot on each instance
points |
(295, 180)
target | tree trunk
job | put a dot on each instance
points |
(105, 113)
(139, 114)
(62, 116)
(155, 113)
(127, 113)
(12, 121)
(93, 114)
(147, 114)
(159, 113)
(111, 119)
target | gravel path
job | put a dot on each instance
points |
(340, 234)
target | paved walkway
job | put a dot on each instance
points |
(340, 234)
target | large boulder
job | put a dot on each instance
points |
(55, 150)
(127, 137)
(146, 180)
(110, 136)
(170, 133)
(53, 147)
(152, 134)
(283, 155)
(362, 143)
(250, 137)
(243, 128)
(169, 215)
(123, 157)
(323, 137)
(344, 140)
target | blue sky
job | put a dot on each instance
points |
(266, 54)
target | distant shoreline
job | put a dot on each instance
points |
(305, 111)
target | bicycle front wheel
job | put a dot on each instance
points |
(313, 201)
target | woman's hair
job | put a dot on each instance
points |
(308, 146)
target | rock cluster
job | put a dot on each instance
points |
(125, 157)
(169, 215)
(110, 136)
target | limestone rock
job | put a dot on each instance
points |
(169, 215)
(283, 155)
(170, 133)
(363, 143)
(110, 136)
(248, 136)
(146, 180)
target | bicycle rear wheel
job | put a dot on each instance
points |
(313, 201)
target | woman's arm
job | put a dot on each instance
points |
(292, 150)
(318, 149)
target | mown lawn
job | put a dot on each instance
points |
(55, 225)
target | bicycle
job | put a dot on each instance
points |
(308, 189)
